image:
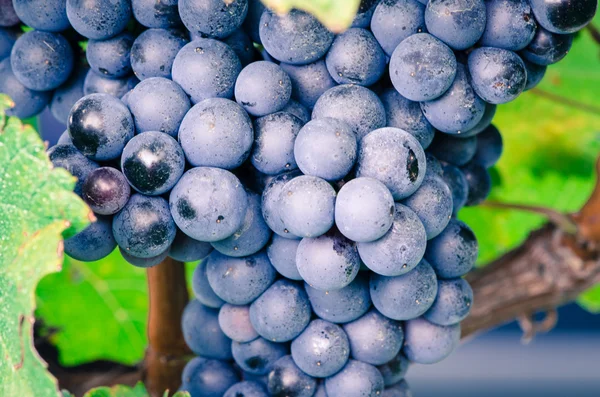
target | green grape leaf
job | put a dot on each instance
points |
(590, 300)
(125, 391)
(336, 15)
(37, 208)
(551, 141)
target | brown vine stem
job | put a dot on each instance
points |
(165, 356)
(584, 107)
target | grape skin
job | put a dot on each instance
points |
(206, 377)
(509, 24)
(68, 157)
(110, 58)
(407, 296)
(208, 204)
(156, 14)
(105, 190)
(427, 343)
(99, 19)
(246, 389)
(458, 23)
(273, 150)
(45, 15)
(453, 253)
(395, 20)
(202, 334)
(452, 303)
(213, 18)
(65, 96)
(93, 243)
(41, 61)
(202, 289)
(309, 82)
(258, 356)
(355, 379)
(154, 50)
(321, 350)
(96, 84)
(144, 227)
(422, 68)
(186, 249)
(234, 320)
(286, 379)
(263, 88)
(282, 254)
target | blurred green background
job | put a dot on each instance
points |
(98, 310)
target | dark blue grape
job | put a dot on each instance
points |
(105, 190)
(263, 88)
(154, 51)
(486, 120)
(393, 157)
(275, 134)
(535, 74)
(66, 95)
(453, 149)
(216, 133)
(241, 44)
(41, 61)
(364, 210)
(510, 24)
(457, 182)
(156, 13)
(282, 312)
(395, 20)
(235, 323)
(427, 343)
(295, 37)
(282, 254)
(355, 379)
(100, 125)
(453, 253)
(320, 392)
(434, 167)
(260, 379)
(202, 289)
(564, 16)
(258, 356)
(356, 105)
(407, 296)
(216, 62)
(186, 249)
(26, 102)
(68, 157)
(422, 68)
(407, 115)
(394, 370)
(298, 110)
(321, 350)
(200, 326)
(326, 148)
(286, 379)
(452, 303)
(329, 262)
(144, 227)
(208, 204)
(143, 262)
(99, 19)
(458, 23)
(152, 162)
(489, 147)
(307, 205)
(213, 18)
(208, 378)
(497, 75)
(271, 204)
(252, 22)
(239, 281)
(110, 58)
(374, 339)
(158, 104)
(459, 109)
(398, 390)
(309, 82)
(252, 236)
(363, 16)
(342, 305)
(480, 183)
(355, 57)
(547, 48)
(246, 389)
(400, 249)
(7, 40)
(96, 84)
(93, 243)
(46, 15)
(8, 17)
(432, 203)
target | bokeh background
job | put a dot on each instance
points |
(97, 311)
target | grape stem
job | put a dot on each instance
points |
(551, 268)
(167, 351)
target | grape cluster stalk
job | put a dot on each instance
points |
(315, 175)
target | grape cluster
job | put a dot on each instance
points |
(317, 176)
